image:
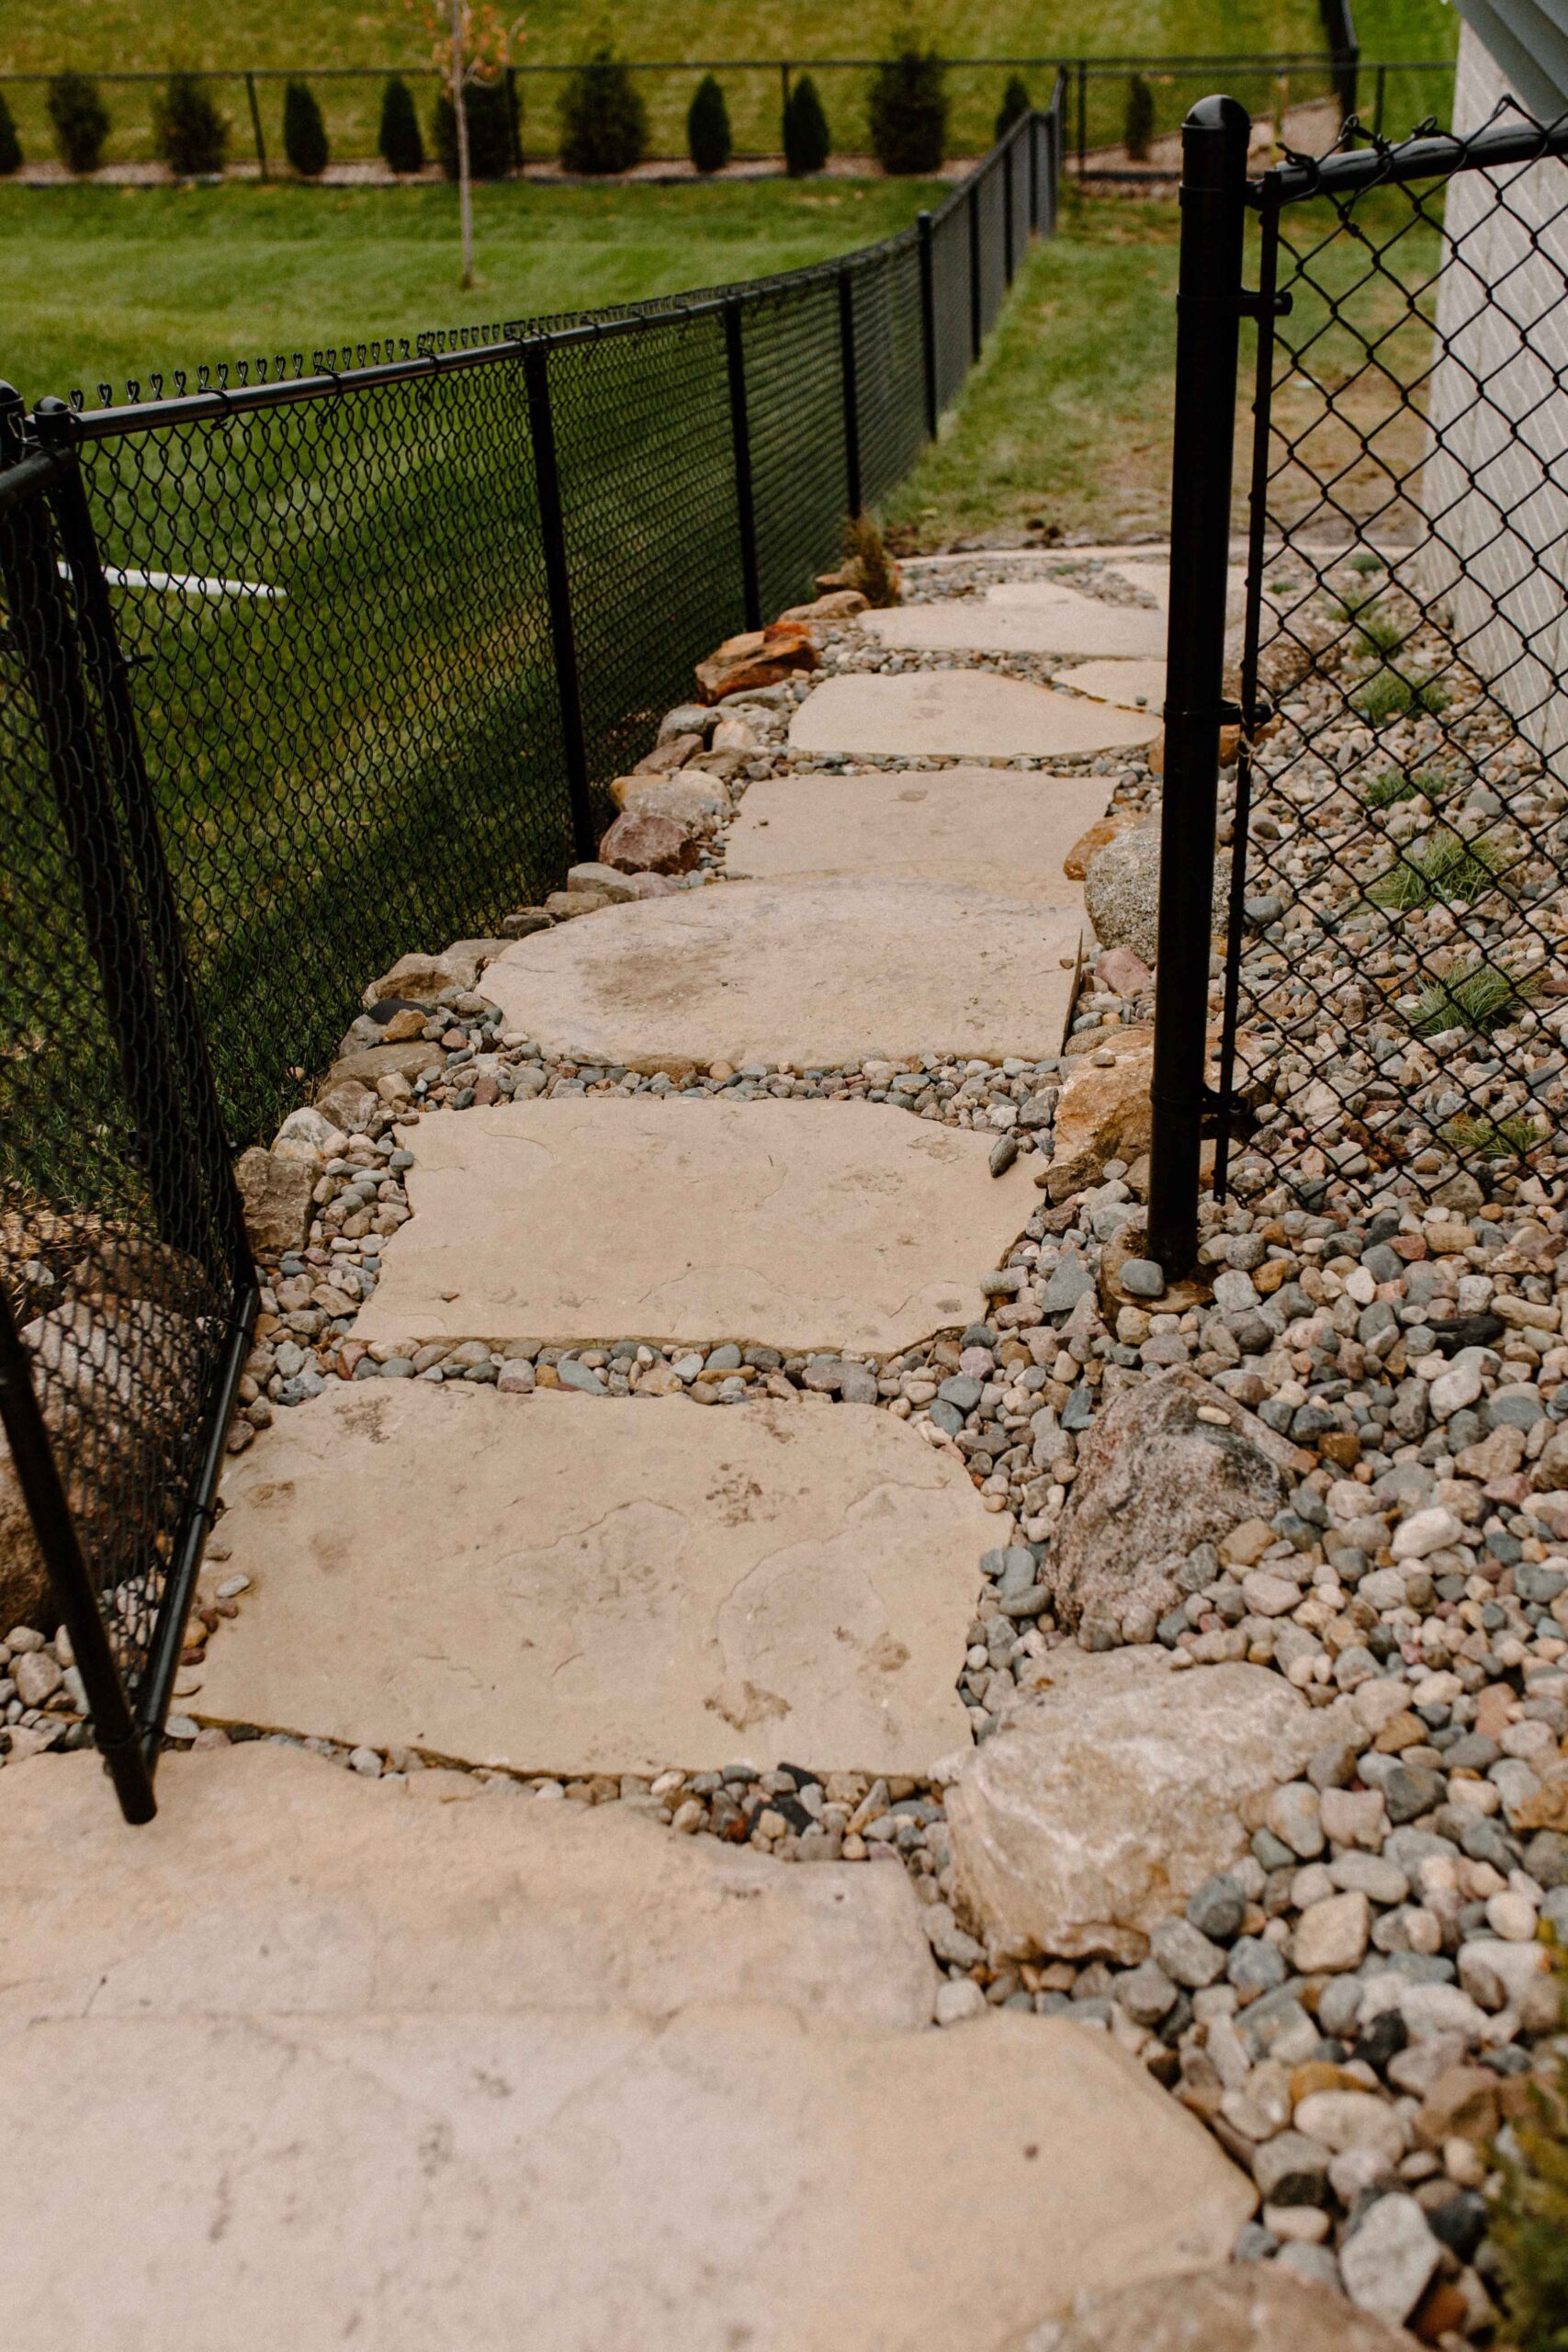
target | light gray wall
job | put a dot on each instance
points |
(1494, 487)
(1528, 39)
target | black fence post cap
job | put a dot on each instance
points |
(1218, 113)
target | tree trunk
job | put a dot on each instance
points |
(459, 108)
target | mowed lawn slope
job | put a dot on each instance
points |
(103, 284)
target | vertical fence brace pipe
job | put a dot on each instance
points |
(557, 590)
(257, 122)
(1209, 312)
(851, 396)
(928, 323)
(740, 439)
(1007, 219)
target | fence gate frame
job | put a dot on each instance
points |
(1212, 302)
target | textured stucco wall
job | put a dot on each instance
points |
(1495, 487)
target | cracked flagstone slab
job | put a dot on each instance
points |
(572, 2182)
(801, 1225)
(275, 1881)
(1020, 617)
(987, 829)
(959, 714)
(1137, 685)
(582, 1584)
(812, 973)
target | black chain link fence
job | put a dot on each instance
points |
(1395, 981)
(127, 1296)
(299, 672)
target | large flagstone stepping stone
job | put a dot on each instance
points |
(989, 829)
(571, 2182)
(808, 1225)
(809, 973)
(1020, 617)
(1135, 685)
(579, 1584)
(278, 1882)
(958, 714)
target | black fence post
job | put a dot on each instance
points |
(38, 1475)
(740, 438)
(1034, 124)
(928, 323)
(558, 587)
(1083, 117)
(1213, 212)
(850, 389)
(257, 122)
(975, 315)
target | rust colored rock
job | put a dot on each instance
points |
(641, 842)
(1102, 1114)
(759, 657)
(1121, 970)
(1087, 847)
(25, 1596)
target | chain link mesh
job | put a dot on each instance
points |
(1398, 925)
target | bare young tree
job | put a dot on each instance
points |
(470, 45)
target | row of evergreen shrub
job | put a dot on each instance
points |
(604, 123)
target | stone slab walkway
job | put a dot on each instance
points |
(276, 1883)
(1135, 684)
(982, 828)
(808, 973)
(800, 1225)
(1023, 616)
(961, 714)
(587, 1584)
(568, 2182)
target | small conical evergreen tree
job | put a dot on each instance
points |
(907, 112)
(401, 144)
(708, 142)
(806, 144)
(1015, 105)
(604, 122)
(10, 145)
(304, 132)
(1140, 123)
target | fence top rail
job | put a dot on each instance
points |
(27, 477)
(1517, 138)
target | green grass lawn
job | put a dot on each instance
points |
(103, 284)
(151, 34)
(1067, 417)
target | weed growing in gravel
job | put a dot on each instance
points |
(1366, 562)
(1530, 2215)
(1480, 998)
(1447, 870)
(1511, 1138)
(1390, 786)
(1389, 696)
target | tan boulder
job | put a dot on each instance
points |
(609, 884)
(275, 1195)
(412, 1060)
(641, 842)
(671, 752)
(1102, 1114)
(1154, 1479)
(564, 905)
(689, 797)
(1103, 1801)
(1245, 2307)
(422, 978)
(838, 604)
(26, 1595)
(759, 657)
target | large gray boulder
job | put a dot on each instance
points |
(1121, 893)
(1154, 1481)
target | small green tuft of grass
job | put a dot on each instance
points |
(1481, 997)
(1366, 562)
(1379, 632)
(1512, 1139)
(1391, 696)
(1390, 786)
(1448, 870)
